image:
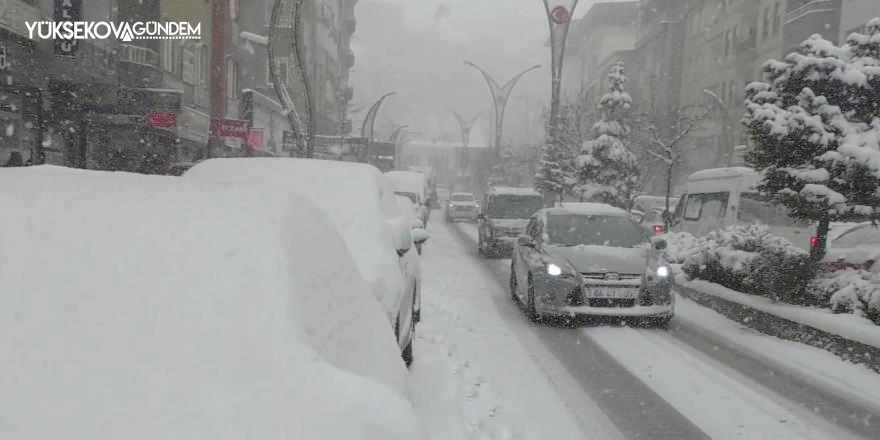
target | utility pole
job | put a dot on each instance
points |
(500, 94)
(219, 36)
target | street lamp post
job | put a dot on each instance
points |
(559, 14)
(499, 98)
(726, 126)
(302, 124)
(466, 126)
(370, 119)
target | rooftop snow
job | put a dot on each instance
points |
(503, 190)
(586, 209)
(256, 38)
(722, 173)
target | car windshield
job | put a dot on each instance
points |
(462, 198)
(514, 207)
(593, 230)
(411, 196)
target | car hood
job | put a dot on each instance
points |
(602, 258)
(509, 223)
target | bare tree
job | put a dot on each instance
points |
(664, 137)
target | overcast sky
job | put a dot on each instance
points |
(417, 48)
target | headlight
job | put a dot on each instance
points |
(663, 271)
(554, 270)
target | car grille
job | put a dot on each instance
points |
(608, 302)
(601, 276)
(464, 208)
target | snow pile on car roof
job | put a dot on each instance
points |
(511, 191)
(409, 181)
(588, 209)
(145, 307)
(355, 196)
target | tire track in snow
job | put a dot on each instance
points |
(636, 410)
(803, 391)
(722, 402)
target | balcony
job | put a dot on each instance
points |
(141, 56)
(14, 15)
(811, 8)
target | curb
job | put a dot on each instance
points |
(770, 324)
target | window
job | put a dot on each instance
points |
(868, 235)
(766, 22)
(777, 19)
(283, 71)
(754, 209)
(231, 79)
(710, 207)
(171, 56)
(202, 64)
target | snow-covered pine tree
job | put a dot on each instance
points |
(812, 126)
(555, 172)
(606, 168)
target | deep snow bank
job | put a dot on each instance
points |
(144, 307)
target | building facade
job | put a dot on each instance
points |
(141, 104)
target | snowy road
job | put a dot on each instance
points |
(484, 371)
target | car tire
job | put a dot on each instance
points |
(407, 353)
(513, 286)
(531, 309)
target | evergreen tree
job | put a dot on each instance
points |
(555, 175)
(606, 168)
(815, 128)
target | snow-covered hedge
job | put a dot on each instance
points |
(747, 259)
(850, 291)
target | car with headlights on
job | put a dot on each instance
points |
(504, 216)
(462, 206)
(590, 259)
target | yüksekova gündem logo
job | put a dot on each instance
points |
(102, 30)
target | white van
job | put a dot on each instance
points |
(722, 197)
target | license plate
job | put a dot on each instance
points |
(612, 293)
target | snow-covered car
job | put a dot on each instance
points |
(636, 215)
(414, 185)
(151, 307)
(462, 206)
(590, 259)
(652, 221)
(363, 208)
(503, 218)
(419, 234)
(856, 247)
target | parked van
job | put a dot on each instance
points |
(414, 186)
(722, 197)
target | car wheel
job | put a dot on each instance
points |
(531, 309)
(407, 353)
(513, 287)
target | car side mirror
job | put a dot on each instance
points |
(525, 241)
(659, 244)
(420, 235)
